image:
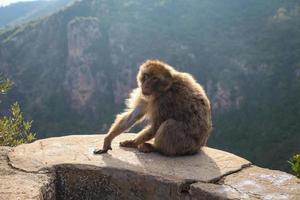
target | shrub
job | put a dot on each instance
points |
(14, 130)
(295, 164)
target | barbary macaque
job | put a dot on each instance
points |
(175, 106)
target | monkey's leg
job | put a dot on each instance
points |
(143, 136)
(173, 138)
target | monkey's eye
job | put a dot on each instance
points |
(154, 78)
(146, 76)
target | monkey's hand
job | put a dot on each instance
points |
(106, 147)
(101, 151)
(128, 143)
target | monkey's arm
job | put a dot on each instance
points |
(122, 123)
(143, 136)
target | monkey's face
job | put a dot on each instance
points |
(154, 80)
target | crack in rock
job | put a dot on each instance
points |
(217, 179)
(42, 171)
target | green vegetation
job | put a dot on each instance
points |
(17, 13)
(14, 130)
(82, 19)
(295, 164)
(4, 85)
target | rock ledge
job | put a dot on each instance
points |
(65, 168)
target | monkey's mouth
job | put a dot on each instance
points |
(146, 92)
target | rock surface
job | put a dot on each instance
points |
(65, 168)
(253, 183)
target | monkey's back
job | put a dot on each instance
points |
(187, 103)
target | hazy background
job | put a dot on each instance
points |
(73, 65)
(8, 2)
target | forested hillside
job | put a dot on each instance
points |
(73, 69)
(22, 12)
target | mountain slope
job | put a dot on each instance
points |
(73, 69)
(22, 12)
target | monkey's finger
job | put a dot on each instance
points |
(101, 151)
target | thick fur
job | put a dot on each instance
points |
(175, 106)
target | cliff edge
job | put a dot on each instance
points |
(66, 168)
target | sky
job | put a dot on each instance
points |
(7, 2)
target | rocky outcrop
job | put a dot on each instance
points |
(83, 34)
(65, 168)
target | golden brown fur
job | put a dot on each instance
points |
(174, 104)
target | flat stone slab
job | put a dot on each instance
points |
(206, 166)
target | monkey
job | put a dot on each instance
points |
(175, 107)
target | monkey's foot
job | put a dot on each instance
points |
(101, 151)
(128, 143)
(146, 148)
